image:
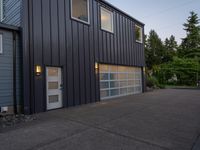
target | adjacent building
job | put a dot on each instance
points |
(74, 52)
(10, 68)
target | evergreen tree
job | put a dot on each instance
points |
(154, 50)
(190, 47)
(170, 48)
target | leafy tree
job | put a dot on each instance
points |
(173, 64)
(181, 71)
(154, 49)
(190, 46)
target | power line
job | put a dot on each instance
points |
(168, 27)
(171, 8)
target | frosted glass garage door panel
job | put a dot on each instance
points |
(116, 81)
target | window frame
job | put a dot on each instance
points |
(1, 43)
(88, 9)
(141, 34)
(112, 21)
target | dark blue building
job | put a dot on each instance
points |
(75, 52)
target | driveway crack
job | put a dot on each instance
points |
(121, 135)
(42, 145)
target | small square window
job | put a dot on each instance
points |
(138, 34)
(80, 10)
(1, 44)
(53, 72)
(53, 85)
(53, 99)
(106, 20)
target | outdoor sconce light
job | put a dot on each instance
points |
(144, 69)
(96, 66)
(38, 70)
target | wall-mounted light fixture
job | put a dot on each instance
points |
(38, 70)
(96, 66)
(144, 69)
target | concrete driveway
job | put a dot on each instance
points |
(160, 120)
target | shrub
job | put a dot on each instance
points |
(180, 71)
(152, 82)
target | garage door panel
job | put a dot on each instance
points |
(116, 81)
(123, 83)
(123, 91)
(131, 90)
(104, 76)
(113, 76)
(131, 82)
(131, 76)
(122, 76)
(114, 92)
(104, 85)
(105, 93)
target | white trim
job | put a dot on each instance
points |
(1, 44)
(122, 87)
(123, 95)
(88, 7)
(112, 19)
(141, 34)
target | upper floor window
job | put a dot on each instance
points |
(1, 44)
(138, 33)
(1, 11)
(106, 20)
(80, 10)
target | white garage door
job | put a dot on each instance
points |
(116, 81)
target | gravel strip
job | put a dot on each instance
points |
(12, 120)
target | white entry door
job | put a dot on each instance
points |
(54, 87)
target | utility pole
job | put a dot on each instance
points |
(198, 84)
(198, 73)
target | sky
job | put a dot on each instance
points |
(166, 17)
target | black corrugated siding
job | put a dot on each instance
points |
(52, 38)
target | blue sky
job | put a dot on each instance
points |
(164, 16)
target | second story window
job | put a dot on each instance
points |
(80, 10)
(1, 11)
(1, 44)
(138, 33)
(106, 20)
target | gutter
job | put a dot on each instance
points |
(8, 27)
(14, 72)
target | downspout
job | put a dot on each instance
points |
(14, 73)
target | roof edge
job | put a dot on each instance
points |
(8, 27)
(111, 5)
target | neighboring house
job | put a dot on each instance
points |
(76, 52)
(10, 12)
(10, 68)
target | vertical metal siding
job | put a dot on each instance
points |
(54, 39)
